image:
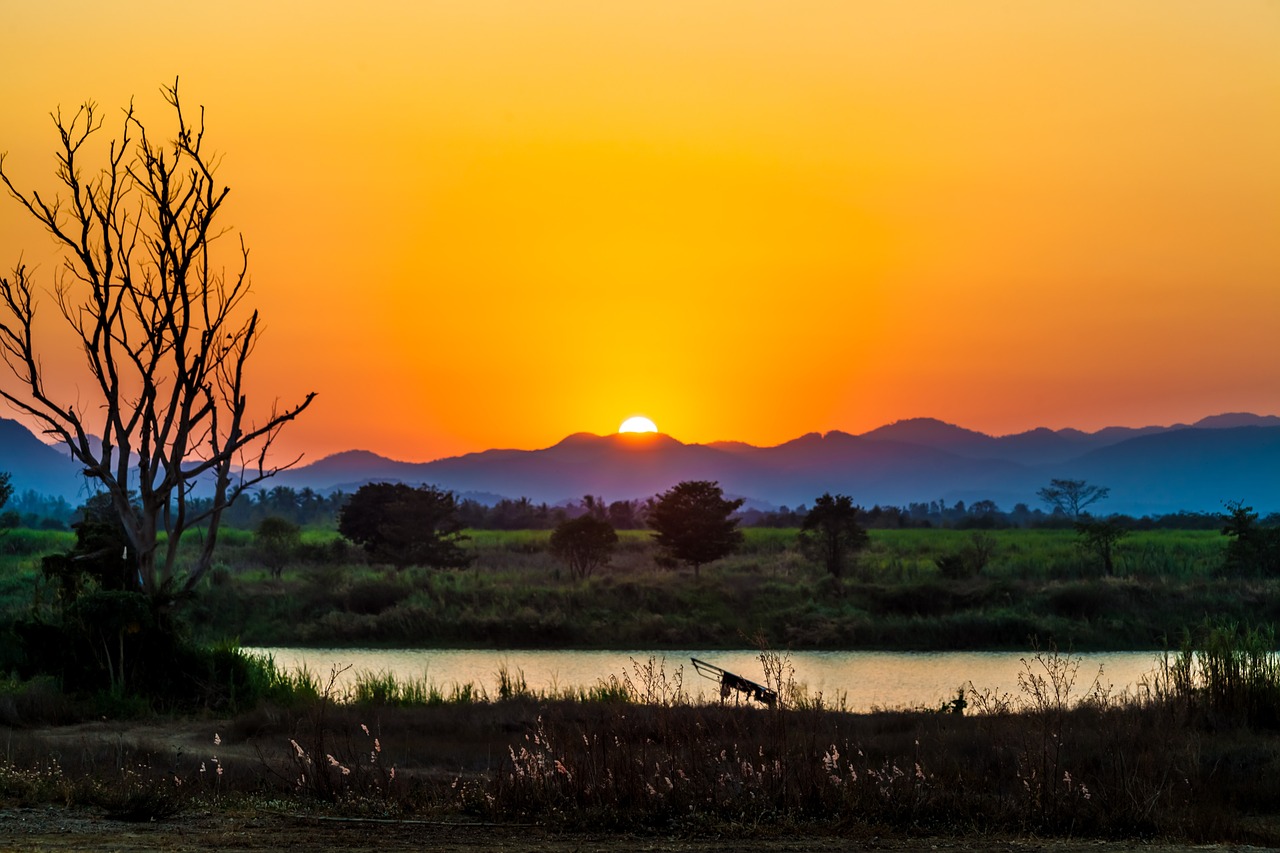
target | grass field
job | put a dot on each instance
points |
(1037, 584)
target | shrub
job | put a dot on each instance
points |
(373, 596)
(970, 560)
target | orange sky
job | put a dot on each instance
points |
(497, 222)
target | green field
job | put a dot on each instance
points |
(1192, 756)
(1038, 584)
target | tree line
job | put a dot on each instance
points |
(309, 507)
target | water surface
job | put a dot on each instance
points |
(864, 681)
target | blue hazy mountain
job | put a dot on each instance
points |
(1149, 469)
(34, 465)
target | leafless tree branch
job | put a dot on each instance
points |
(164, 339)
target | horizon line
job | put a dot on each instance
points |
(823, 433)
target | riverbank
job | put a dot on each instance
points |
(725, 609)
(1036, 585)
(858, 681)
(646, 773)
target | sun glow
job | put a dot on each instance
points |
(638, 424)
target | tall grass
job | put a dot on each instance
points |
(1062, 756)
(1225, 672)
(384, 689)
(648, 683)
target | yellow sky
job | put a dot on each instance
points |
(497, 222)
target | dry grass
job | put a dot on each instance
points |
(1061, 758)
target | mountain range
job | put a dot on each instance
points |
(1149, 469)
(1194, 467)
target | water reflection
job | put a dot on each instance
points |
(863, 680)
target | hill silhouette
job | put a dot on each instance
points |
(1152, 469)
(34, 465)
(1149, 469)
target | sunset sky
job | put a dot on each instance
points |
(492, 223)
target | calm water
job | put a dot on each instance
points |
(867, 680)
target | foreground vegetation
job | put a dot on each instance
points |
(1192, 756)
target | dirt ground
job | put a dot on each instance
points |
(247, 827)
(53, 829)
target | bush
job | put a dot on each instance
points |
(1255, 548)
(371, 597)
(955, 567)
(970, 560)
(276, 542)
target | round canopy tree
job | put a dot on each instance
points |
(398, 524)
(585, 543)
(695, 523)
(830, 532)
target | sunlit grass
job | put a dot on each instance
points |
(1037, 583)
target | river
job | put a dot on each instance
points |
(858, 681)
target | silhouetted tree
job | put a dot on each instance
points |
(44, 511)
(982, 515)
(1072, 496)
(9, 519)
(156, 312)
(830, 532)
(585, 543)
(970, 560)
(100, 557)
(623, 515)
(100, 613)
(276, 541)
(1101, 538)
(1254, 549)
(694, 523)
(404, 526)
(595, 507)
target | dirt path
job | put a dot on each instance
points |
(55, 829)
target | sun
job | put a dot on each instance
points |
(638, 424)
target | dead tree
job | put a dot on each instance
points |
(164, 330)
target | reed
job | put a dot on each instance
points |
(1060, 757)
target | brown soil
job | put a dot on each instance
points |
(52, 828)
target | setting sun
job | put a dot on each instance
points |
(638, 424)
(934, 175)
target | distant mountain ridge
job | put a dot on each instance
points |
(36, 466)
(1153, 469)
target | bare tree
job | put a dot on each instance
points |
(159, 319)
(1072, 496)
